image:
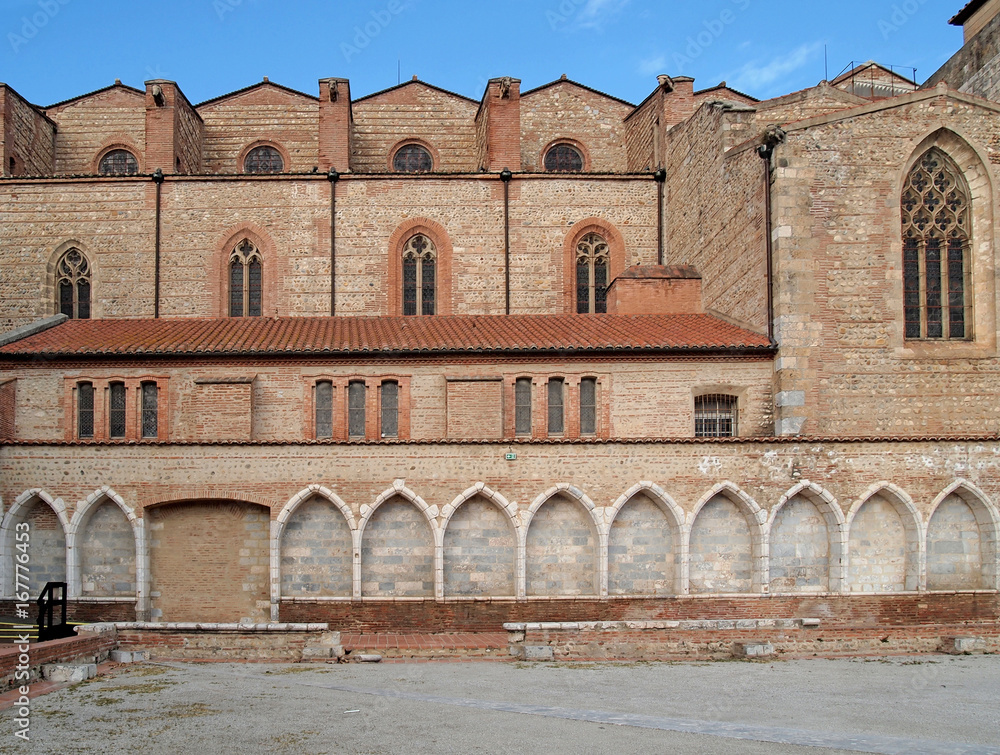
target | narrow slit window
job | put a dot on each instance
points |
(150, 410)
(588, 406)
(324, 409)
(390, 409)
(557, 422)
(85, 410)
(116, 410)
(522, 406)
(356, 409)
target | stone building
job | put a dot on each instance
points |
(414, 360)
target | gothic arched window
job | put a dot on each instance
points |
(563, 158)
(592, 259)
(936, 225)
(118, 162)
(245, 281)
(412, 158)
(419, 257)
(263, 159)
(73, 285)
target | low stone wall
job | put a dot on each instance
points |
(721, 638)
(289, 643)
(90, 646)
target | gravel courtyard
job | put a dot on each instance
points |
(934, 704)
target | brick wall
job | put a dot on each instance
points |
(26, 136)
(89, 125)
(976, 67)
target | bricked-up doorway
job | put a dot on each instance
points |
(209, 562)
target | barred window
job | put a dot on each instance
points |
(324, 409)
(563, 158)
(390, 409)
(263, 159)
(592, 258)
(73, 284)
(715, 416)
(522, 406)
(419, 258)
(936, 225)
(116, 410)
(118, 162)
(85, 410)
(356, 409)
(245, 281)
(150, 393)
(588, 406)
(556, 401)
(412, 158)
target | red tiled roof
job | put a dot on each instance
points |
(390, 335)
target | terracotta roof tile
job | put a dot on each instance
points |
(357, 335)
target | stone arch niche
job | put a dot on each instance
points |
(46, 520)
(397, 551)
(643, 547)
(724, 546)
(562, 547)
(961, 541)
(883, 544)
(480, 550)
(105, 542)
(209, 561)
(805, 546)
(317, 551)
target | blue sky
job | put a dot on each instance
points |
(52, 50)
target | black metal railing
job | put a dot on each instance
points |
(53, 597)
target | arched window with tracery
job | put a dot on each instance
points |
(419, 258)
(937, 226)
(563, 158)
(245, 280)
(263, 159)
(118, 162)
(592, 260)
(412, 158)
(73, 284)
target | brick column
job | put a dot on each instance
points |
(502, 108)
(335, 125)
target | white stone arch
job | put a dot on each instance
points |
(833, 515)
(987, 517)
(572, 491)
(399, 489)
(913, 526)
(278, 531)
(84, 509)
(7, 540)
(756, 519)
(670, 509)
(448, 511)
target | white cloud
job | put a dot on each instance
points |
(653, 65)
(595, 13)
(754, 76)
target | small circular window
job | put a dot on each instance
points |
(564, 158)
(119, 162)
(412, 158)
(263, 160)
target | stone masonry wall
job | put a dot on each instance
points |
(115, 117)
(26, 136)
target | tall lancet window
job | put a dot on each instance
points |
(245, 281)
(419, 257)
(937, 227)
(73, 284)
(591, 274)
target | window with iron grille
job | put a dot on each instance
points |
(85, 410)
(356, 409)
(419, 258)
(118, 162)
(522, 406)
(390, 409)
(936, 226)
(150, 393)
(116, 410)
(715, 416)
(592, 259)
(245, 281)
(73, 284)
(563, 158)
(324, 409)
(263, 159)
(557, 422)
(412, 158)
(588, 406)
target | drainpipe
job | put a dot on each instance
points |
(505, 176)
(772, 137)
(158, 180)
(660, 176)
(333, 176)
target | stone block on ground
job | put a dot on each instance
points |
(753, 650)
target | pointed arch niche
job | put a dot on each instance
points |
(962, 535)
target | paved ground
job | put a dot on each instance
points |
(931, 704)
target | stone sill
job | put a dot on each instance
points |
(173, 626)
(681, 625)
